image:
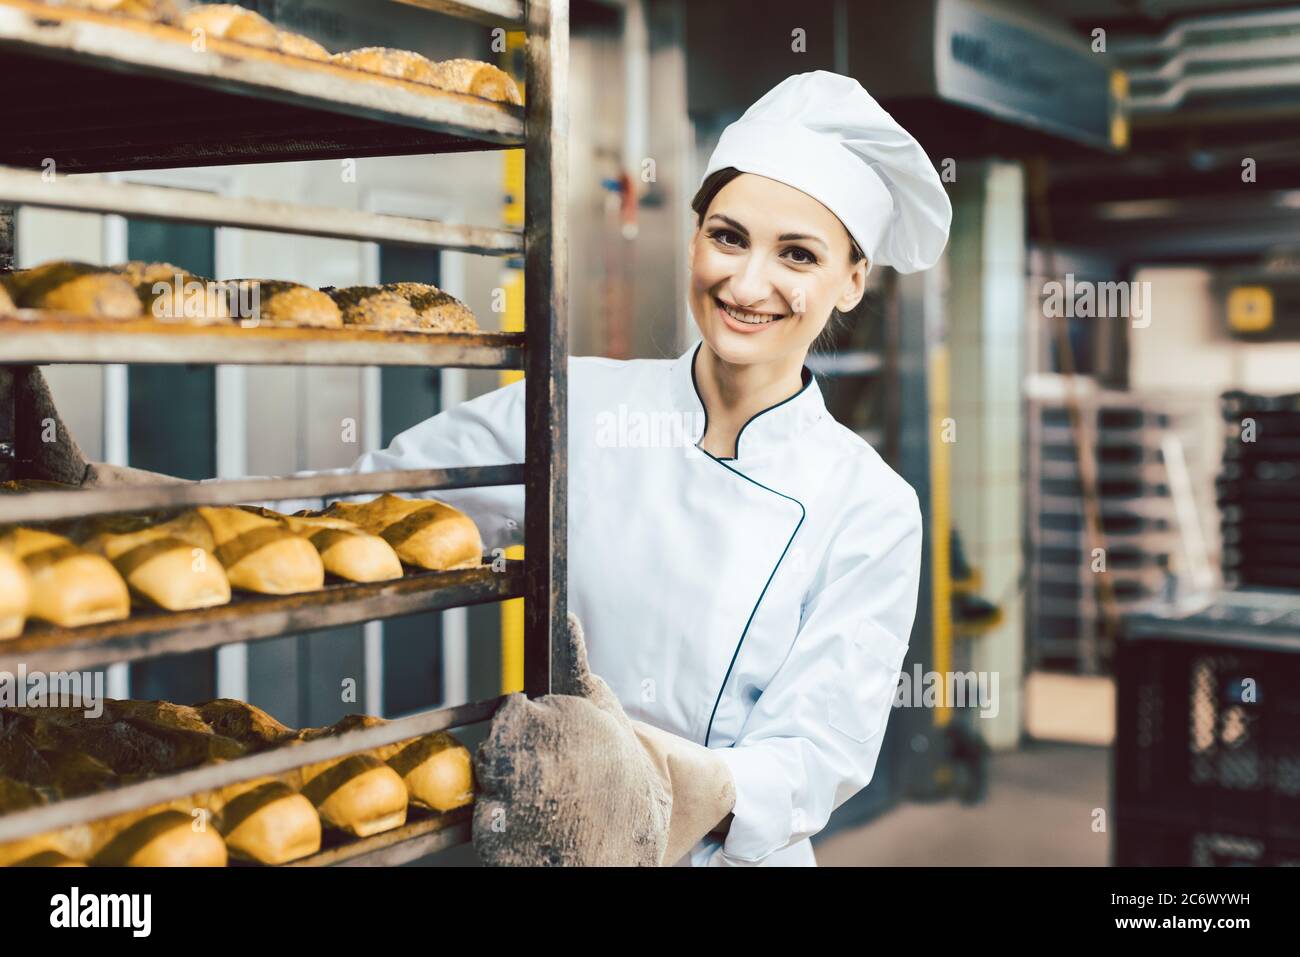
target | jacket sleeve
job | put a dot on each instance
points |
(485, 430)
(813, 737)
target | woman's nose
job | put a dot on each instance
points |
(751, 283)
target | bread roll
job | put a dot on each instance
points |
(259, 554)
(267, 821)
(413, 306)
(436, 768)
(295, 44)
(244, 722)
(156, 11)
(231, 22)
(359, 795)
(425, 533)
(75, 288)
(435, 310)
(70, 587)
(15, 592)
(186, 297)
(162, 569)
(165, 839)
(371, 307)
(346, 550)
(476, 78)
(7, 305)
(399, 64)
(280, 303)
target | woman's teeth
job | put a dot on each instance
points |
(753, 318)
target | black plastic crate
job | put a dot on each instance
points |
(1192, 747)
(1142, 841)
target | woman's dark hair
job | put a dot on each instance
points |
(713, 184)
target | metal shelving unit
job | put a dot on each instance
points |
(237, 104)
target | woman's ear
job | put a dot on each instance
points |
(856, 288)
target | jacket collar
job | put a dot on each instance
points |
(766, 431)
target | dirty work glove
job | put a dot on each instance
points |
(53, 452)
(569, 779)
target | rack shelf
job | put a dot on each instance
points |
(209, 209)
(424, 833)
(32, 336)
(51, 506)
(96, 92)
(149, 634)
(206, 777)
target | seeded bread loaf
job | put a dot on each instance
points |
(76, 288)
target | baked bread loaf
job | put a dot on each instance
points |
(70, 587)
(399, 64)
(345, 549)
(424, 532)
(164, 839)
(413, 306)
(295, 44)
(359, 795)
(370, 307)
(159, 567)
(74, 287)
(7, 305)
(261, 555)
(476, 78)
(156, 11)
(232, 22)
(187, 297)
(435, 310)
(15, 592)
(279, 303)
(436, 768)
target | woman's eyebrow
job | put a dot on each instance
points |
(731, 222)
(793, 237)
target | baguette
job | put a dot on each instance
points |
(231, 22)
(159, 567)
(425, 533)
(76, 288)
(70, 587)
(346, 550)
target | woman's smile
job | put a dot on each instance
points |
(742, 320)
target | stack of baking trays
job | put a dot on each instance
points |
(91, 577)
(1259, 490)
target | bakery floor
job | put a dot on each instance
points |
(1038, 811)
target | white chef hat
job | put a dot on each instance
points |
(823, 134)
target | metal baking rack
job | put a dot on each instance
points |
(250, 105)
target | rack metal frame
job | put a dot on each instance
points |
(323, 100)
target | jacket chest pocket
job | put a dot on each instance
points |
(860, 702)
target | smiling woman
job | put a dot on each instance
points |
(769, 266)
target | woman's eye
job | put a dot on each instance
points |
(721, 234)
(810, 259)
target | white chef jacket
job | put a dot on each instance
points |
(760, 605)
